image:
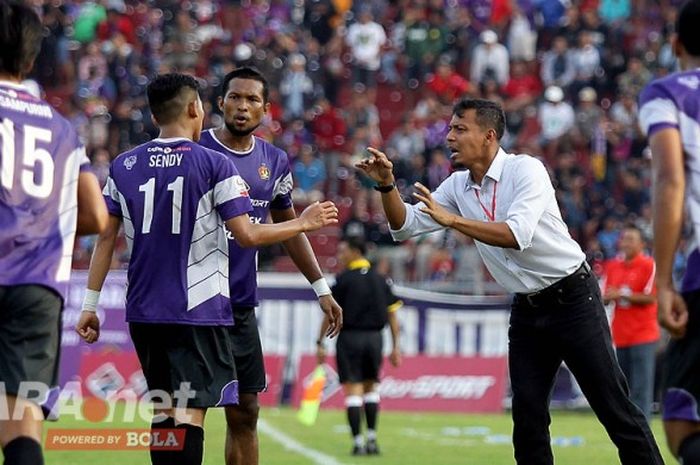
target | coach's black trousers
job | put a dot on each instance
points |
(567, 323)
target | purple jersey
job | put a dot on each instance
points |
(173, 196)
(265, 169)
(674, 102)
(40, 160)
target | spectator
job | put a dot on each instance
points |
(365, 39)
(629, 285)
(588, 114)
(586, 60)
(558, 65)
(556, 117)
(447, 84)
(296, 88)
(309, 174)
(490, 60)
(633, 80)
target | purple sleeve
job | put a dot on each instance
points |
(282, 192)
(230, 191)
(112, 197)
(657, 109)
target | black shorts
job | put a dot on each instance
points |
(199, 355)
(359, 355)
(247, 351)
(682, 368)
(30, 342)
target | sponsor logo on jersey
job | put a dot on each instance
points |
(129, 162)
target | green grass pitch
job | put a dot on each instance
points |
(404, 438)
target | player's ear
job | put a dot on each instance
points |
(266, 107)
(193, 108)
(220, 103)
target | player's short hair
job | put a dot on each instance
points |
(246, 72)
(356, 243)
(686, 27)
(20, 35)
(169, 94)
(489, 114)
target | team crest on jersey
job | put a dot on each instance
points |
(264, 172)
(129, 162)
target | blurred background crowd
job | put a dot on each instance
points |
(349, 74)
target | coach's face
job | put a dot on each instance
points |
(243, 106)
(467, 140)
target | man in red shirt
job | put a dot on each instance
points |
(629, 282)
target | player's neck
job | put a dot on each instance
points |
(233, 142)
(691, 63)
(10, 78)
(174, 131)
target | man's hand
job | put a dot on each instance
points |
(432, 208)
(395, 357)
(377, 167)
(318, 215)
(88, 327)
(673, 313)
(611, 294)
(334, 314)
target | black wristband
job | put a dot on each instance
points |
(385, 189)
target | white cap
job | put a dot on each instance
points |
(489, 37)
(587, 94)
(554, 94)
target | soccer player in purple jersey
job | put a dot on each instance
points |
(44, 187)
(670, 116)
(173, 197)
(265, 169)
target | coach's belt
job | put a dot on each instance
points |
(553, 291)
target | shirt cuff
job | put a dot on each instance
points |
(404, 231)
(522, 245)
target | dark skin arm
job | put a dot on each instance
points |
(299, 250)
(669, 186)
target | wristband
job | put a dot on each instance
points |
(90, 300)
(321, 287)
(385, 189)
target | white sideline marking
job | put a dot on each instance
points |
(319, 458)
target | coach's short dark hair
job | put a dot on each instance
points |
(489, 114)
(20, 35)
(356, 243)
(169, 94)
(246, 72)
(687, 25)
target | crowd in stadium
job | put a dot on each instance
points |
(347, 75)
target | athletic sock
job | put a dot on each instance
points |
(193, 453)
(353, 405)
(23, 451)
(162, 456)
(371, 410)
(689, 451)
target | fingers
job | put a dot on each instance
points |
(422, 189)
(425, 200)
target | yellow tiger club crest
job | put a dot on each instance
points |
(264, 172)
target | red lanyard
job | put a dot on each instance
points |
(492, 215)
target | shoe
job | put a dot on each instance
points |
(358, 450)
(372, 447)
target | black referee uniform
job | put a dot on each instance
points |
(367, 299)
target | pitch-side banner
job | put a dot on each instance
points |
(421, 383)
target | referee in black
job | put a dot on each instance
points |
(368, 304)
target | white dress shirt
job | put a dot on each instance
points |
(525, 201)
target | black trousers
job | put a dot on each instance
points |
(567, 322)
